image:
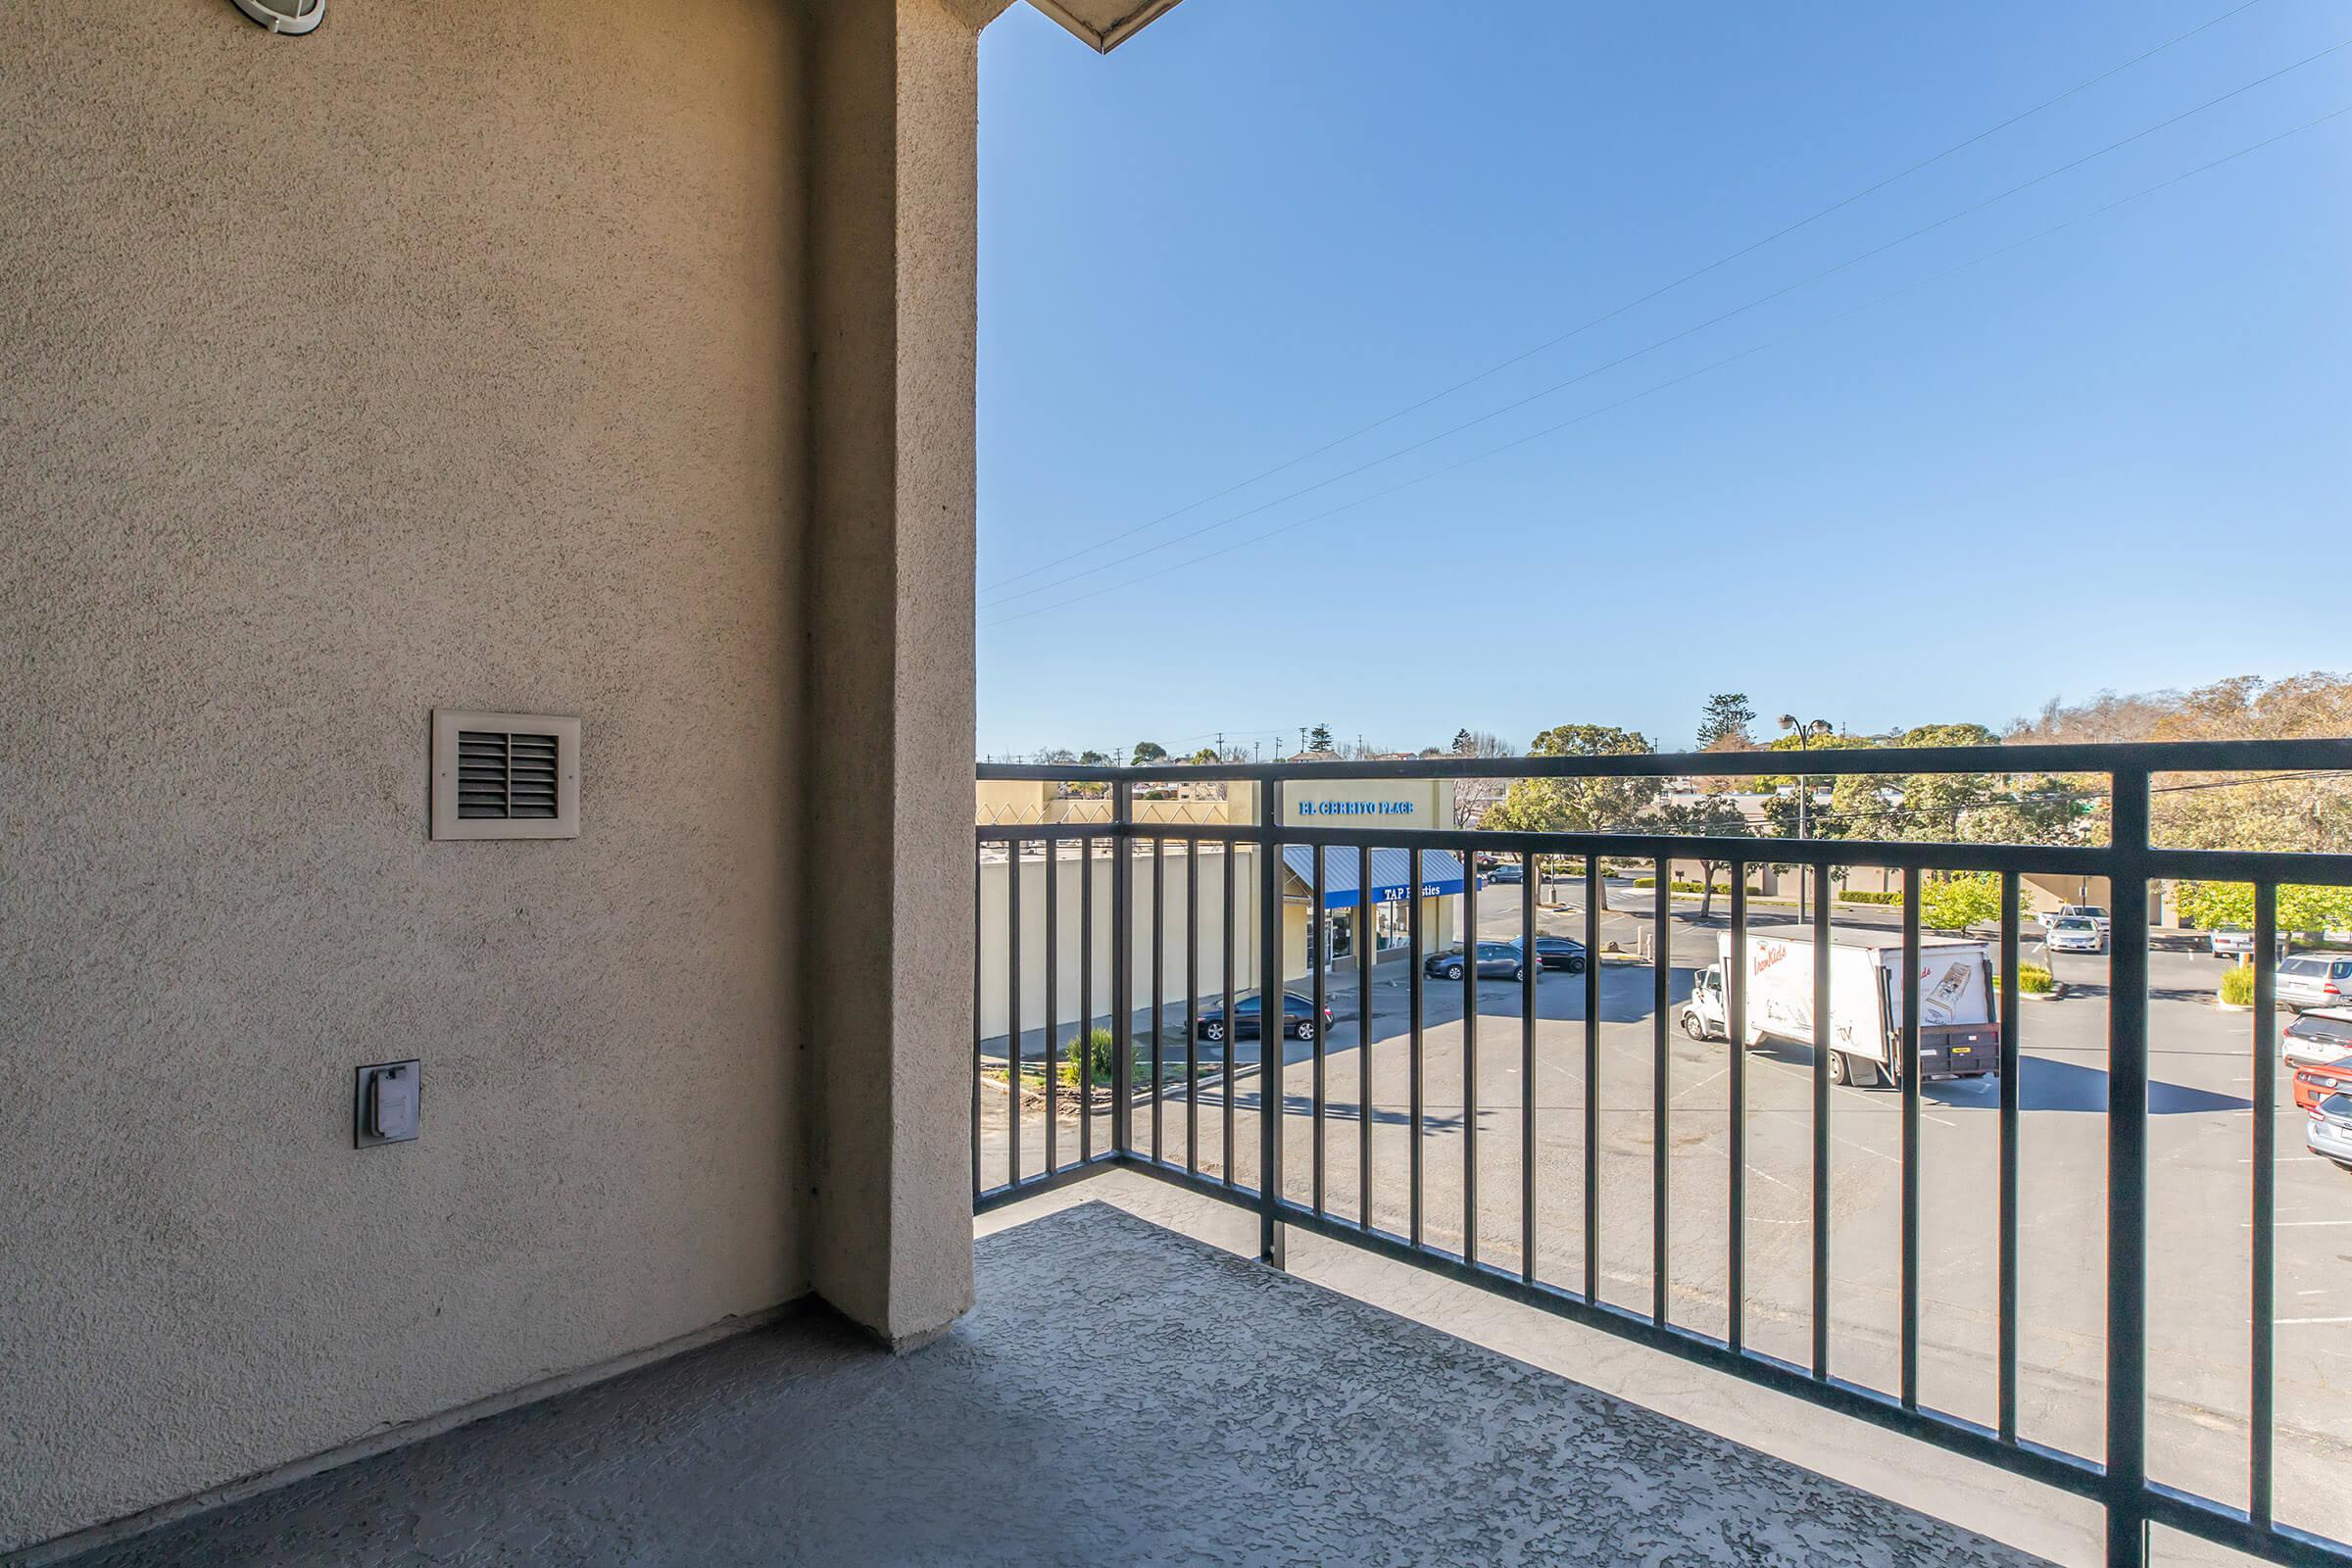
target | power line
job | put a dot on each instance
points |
(1664, 288)
(1670, 339)
(1717, 364)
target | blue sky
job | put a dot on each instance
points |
(2104, 459)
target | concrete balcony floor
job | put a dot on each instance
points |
(1122, 1393)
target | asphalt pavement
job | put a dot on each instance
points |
(1474, 1113)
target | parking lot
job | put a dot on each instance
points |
(2200, 1184)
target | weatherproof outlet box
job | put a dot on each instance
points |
(388, 1104)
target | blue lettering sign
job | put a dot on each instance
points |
(1355, 807)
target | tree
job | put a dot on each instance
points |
(1318, 739)
(1729, 783)
(1147, 751)
(1473, 798)
(1954, 900)
(1586, 805)
(1056, 755)
(1094, 760)
(1707, 816)
(2300, 909)
(1725, 718)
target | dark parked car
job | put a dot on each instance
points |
(1496, 960)
(1558, 952)
(1298, 1018)
(1509, 873)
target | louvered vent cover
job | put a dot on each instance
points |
(506, 776)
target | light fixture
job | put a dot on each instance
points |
(283, 16)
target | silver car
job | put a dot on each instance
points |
(2315, 980)
(2074, 933)
(2329, 1130)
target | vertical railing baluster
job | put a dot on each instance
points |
(1122, 967)
(1661, 959)
(1413, 954)
(1531, 967)
(1364, 955)
(2127, 1171)
(1159, 995)
(1735, 997)
(1233, 1022)
(1012, 1012)
(1591, 1192)
(1908, 1302)
(2008, 1217)
(1191, 1006)
(1052, 1063)
(1824, 1043)
(1319, 941)
(1085, 998)
(1469, 1058)
(1272, 1011)
(2262, 1293)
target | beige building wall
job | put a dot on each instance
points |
(995, 982)
(464, 359)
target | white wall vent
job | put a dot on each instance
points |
(505, 775)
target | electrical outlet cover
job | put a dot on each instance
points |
(387, 1104)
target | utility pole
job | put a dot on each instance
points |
(1806, 733)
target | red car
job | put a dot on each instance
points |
(2315, 1083)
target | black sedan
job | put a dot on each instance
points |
(1496, 960)
(1297, 1019)
(1559, 953)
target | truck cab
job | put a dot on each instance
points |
(1706, 1015)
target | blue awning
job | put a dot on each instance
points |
(1391, 873)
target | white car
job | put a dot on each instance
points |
(2088, 911)
(2231, 942)
(2074, 933)
(2329, 1130)
(2319, 1037)
(2315, 980)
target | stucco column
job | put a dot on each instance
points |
(887, 921)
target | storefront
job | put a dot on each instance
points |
(1333, 938)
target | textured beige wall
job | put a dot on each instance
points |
(889, 797)
(451, 354)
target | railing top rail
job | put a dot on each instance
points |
(2154, 756)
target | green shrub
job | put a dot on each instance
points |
(1100, 1046)
(2032, 978)
(1682, 885)
(1856, 896)
(2237, 986)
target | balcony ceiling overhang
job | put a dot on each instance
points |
(1103, 25)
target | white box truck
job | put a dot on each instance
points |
(1959, 1034)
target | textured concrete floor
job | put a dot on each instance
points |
(1121, 1395)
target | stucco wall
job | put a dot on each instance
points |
(451, 354)
(888, 785)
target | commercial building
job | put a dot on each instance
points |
(1180, 884)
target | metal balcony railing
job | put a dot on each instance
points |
(2130, 861)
